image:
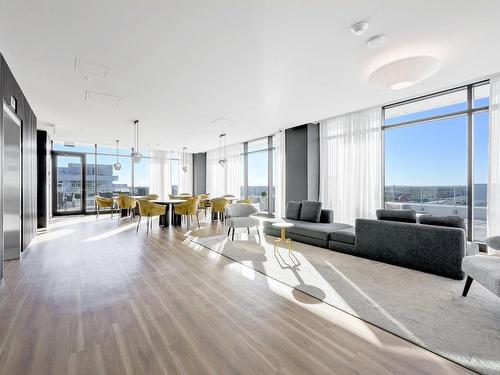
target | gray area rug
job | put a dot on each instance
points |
(425, 309)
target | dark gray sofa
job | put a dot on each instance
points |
(428, 248)
(317, 234)
(312, 225)
(437, 247)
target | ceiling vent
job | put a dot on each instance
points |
(88, 67)
(101, 99)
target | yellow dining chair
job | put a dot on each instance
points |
(204, 203)
(188, 208)
(181, 197)
(126, 203)
(218, 206)
(151, 197)
(247, 200)
(149, 210)
(104, 203)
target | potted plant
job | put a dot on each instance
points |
(263, 201)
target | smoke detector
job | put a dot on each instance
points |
(359, 27)
(376, 41)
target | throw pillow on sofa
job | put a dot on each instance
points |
(443, 221)
(293, 210)
(310, 211)
(404, 216)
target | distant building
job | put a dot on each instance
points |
(69, 182)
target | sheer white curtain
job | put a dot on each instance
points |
(350, 165)
(186, 178)
(227, 179)
(215, 183)
(159, 174)
(493, 198)
(279, 174)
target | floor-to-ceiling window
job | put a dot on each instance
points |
(258, 173)
(436, 155)
(141, 175)
(174, 174)
(101, 177)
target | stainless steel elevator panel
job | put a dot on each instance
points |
(11, 148)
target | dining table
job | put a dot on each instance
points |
(168, 218)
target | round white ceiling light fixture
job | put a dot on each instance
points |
(376, 41)
(404, 73)
(359, 27)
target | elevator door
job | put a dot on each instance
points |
(11, 184)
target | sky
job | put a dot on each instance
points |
(435, 153)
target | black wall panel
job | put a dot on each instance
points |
(42, 150)
(10, 88)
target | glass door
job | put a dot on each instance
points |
(68, 183)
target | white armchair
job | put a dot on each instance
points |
(239, 215)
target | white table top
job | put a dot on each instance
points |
(231, 199)
(168, 201)
(283, 225)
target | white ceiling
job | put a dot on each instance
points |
(264, 64)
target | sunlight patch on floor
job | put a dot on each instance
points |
(47, 236)
(111, 233)
(59, 222)
(333, 315)
(373, 302)
(245, 270)
(301, 271)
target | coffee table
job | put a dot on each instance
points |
(283, 227)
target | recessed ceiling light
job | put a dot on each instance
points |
(359, 27)
(404, 73)
(376, 41)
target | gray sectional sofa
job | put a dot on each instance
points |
(428, 248)
(435, 245)
(311, 224)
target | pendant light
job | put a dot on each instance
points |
(117, 164)
(222, 150)
(136, 155)
(184, 160)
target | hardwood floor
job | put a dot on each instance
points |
(98, 298)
